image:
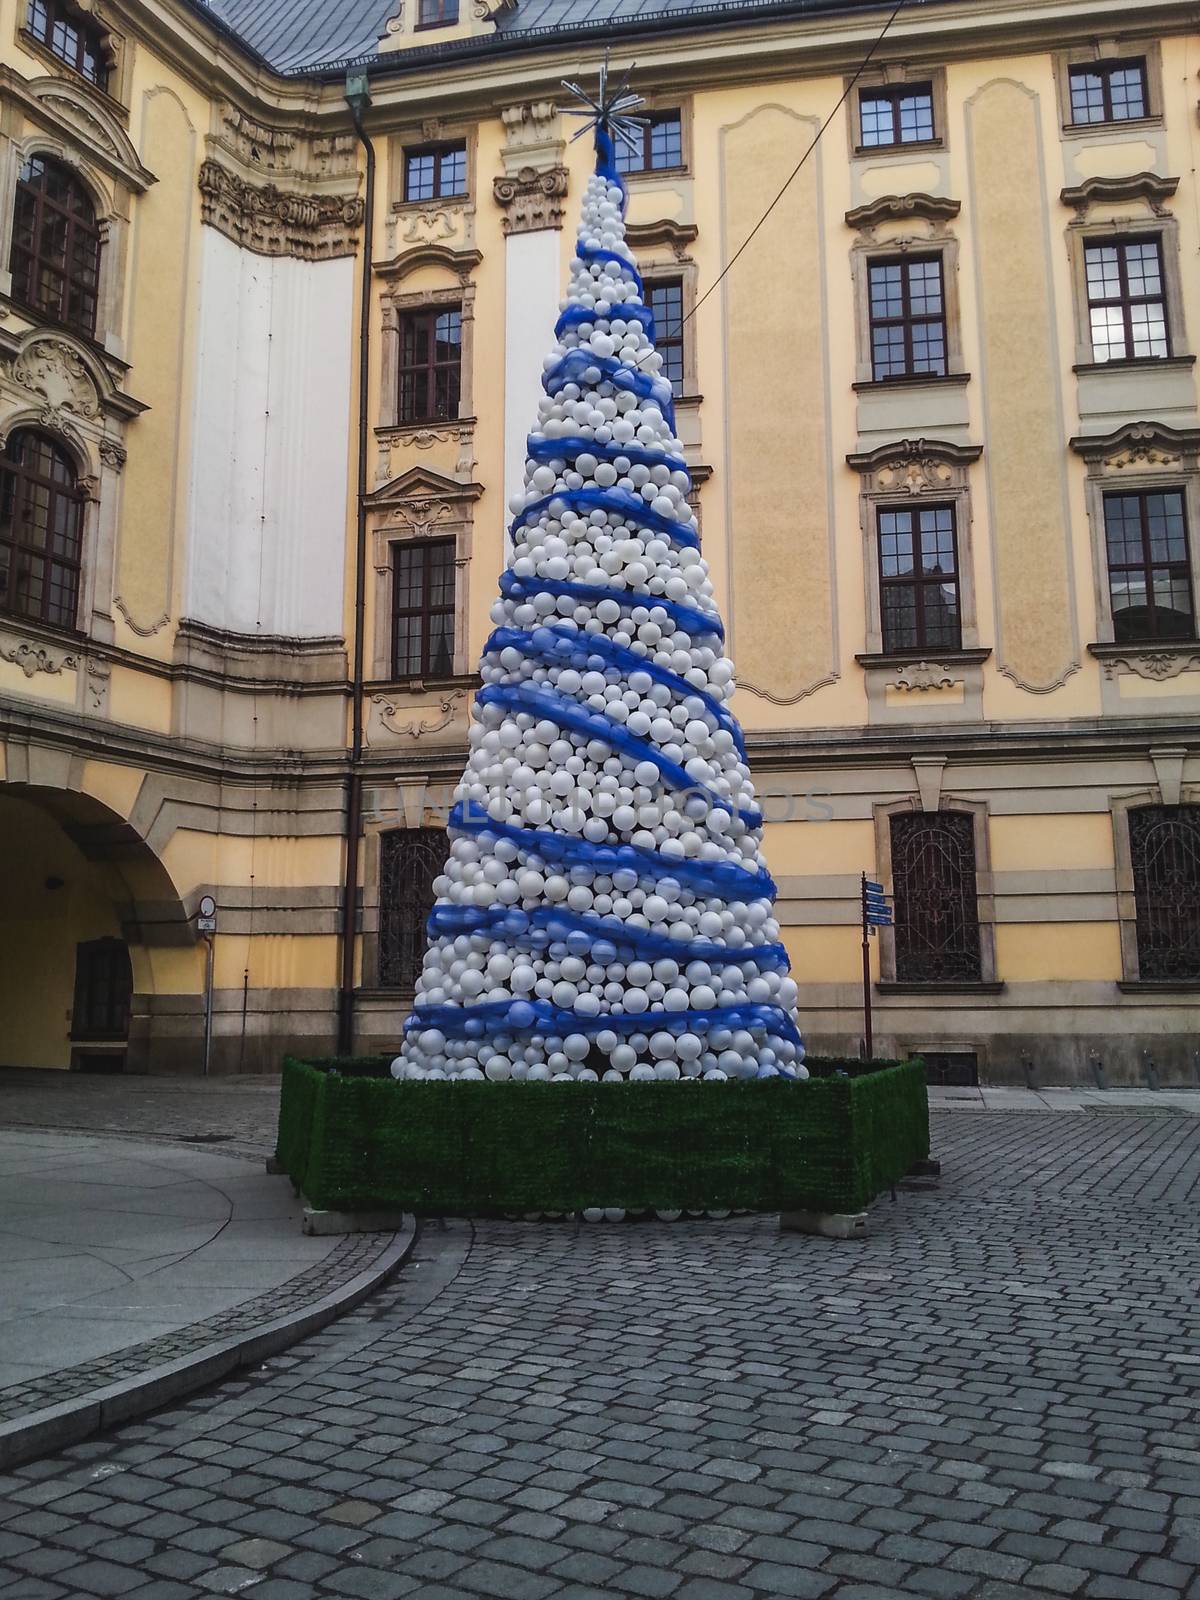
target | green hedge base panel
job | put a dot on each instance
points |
(352, 1138)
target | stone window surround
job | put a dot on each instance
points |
(394, 305)
(1098, 52)
(655, 104)
(1121, 805)
(1153, 221)
(57, 385)
(1139, 457)
(421, 506)
(116, 96)
(985, 892)
(893, 75)
(930, 235)
(418, 136)
(926, 471)
(662, 252)
(111, 225)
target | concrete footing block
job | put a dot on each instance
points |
(273, 1167)
(825, 1224)
(925, 1175)
(323, 1223)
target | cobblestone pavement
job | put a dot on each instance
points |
(992, 1397)
(233, 1112)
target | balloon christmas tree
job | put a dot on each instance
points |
(605, 910)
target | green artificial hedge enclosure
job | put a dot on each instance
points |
(352, 1138)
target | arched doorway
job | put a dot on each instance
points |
(83, 903)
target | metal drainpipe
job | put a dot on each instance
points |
(358, 98)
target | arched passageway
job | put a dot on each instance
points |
(86, 909)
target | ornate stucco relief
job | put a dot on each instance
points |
(277, 222)
(532, 199)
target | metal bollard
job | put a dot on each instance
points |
(1151, 1071)
(1027, 1069)
(1097, 1067)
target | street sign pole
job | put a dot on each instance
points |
(866, 958)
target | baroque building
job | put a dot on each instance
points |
(267, 361)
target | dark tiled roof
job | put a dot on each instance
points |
(311, 36)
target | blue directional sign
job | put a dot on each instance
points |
(878, 912)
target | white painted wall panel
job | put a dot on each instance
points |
(270, 465)
(532, 293)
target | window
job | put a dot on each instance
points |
(665, 300)
(1149, 574)
(1164, 848)
(430, 364)
(423, 609)
(435, 174)
(103, 990)
(436, 13)
(918, 579)
(661, 145)
(55, 261)
(1126, 299)
(409, 861)
(907, 309)
(1110, 91)
(936, 905)
(71, 37)
(899, 115)
(41, 531)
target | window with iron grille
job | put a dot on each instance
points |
(409, 861)
(899, 114)
(435, 174)
(423, 608)
(55, 259)
(103, 990)
(936, 905)
(430, 364)
(1149, 568)
(908, 317)
(72, 37)
(918, 579)
(1109, 91)
(1164, 848)
(659, 144)
(1127, 304)
(436, 13)
(41, 531)
(665, 299)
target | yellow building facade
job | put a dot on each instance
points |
(960, 585)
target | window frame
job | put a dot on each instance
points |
(653, 119)
(436, 149)
(1099, 53)
(1144, 907)
(448, 14)
(1126, 300)
(424, 612)
(908, 320)
(74, 566)
(86, 28)
(919, 583)
(91, 228)
(1148, 567)
(894, 94)
(91, 954)
(676, 281)
(408, 321)
(1104, 70)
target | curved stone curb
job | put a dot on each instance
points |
(53, 1427)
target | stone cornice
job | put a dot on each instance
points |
(901, 208)
(1142, 443)
(1147, 186)
(461, 263)
(908, 452)
(80, 116)
(278, 222)
(678, 235)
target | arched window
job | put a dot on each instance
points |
(41, 531)
(72, 37)
(55, 259)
